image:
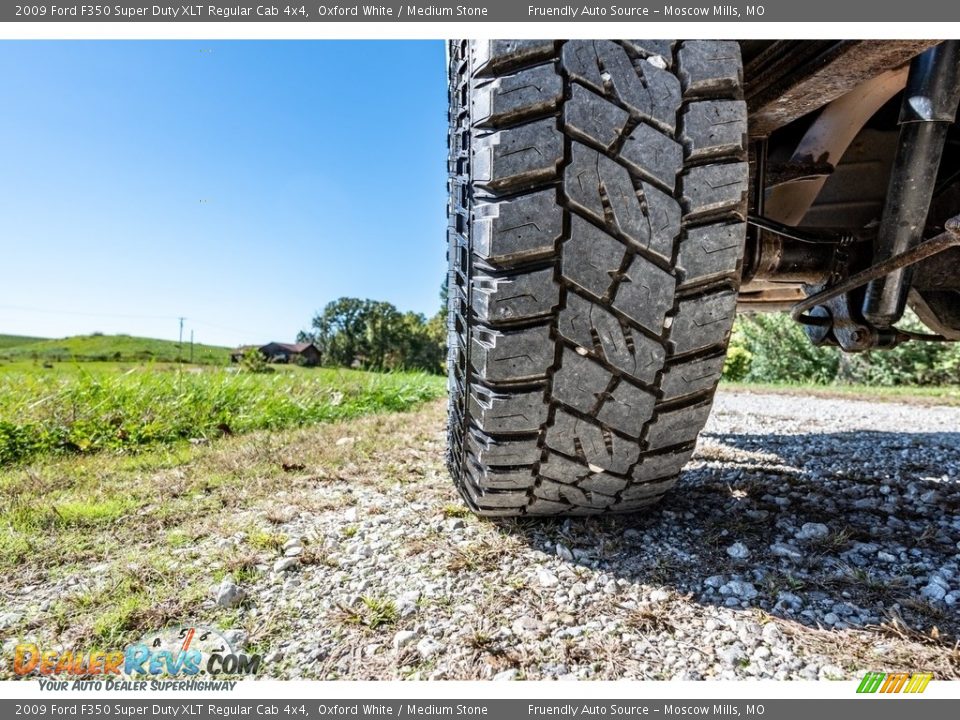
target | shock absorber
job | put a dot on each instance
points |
(928, 109)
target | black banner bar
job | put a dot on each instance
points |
(484, 11)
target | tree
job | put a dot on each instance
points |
(339, 332)
(374, 335)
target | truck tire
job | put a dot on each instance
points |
(597, 210)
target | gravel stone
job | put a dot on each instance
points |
(403, 639)
(812, 531)
(547, 579)
(785, 550)
(738, 551)
(655, 593)
(285, 563)
(934, 592)
(229, 594)
(563, 552)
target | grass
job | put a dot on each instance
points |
(141, 536)
(8, 341)
(115, 348)
(923, 395)
(87, 412)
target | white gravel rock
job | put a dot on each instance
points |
(403, 639)
(738, 551)
(229, 594)
(547, 579)
(785, 550)
(659, 596)
(812, 531)
(428, 647)
(563, 552)
(284, 564)
(934, 592)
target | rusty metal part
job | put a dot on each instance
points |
(944, 241)
(928, 109)
(791, 78)
(825, 142)
(783, 254)
(760, 296)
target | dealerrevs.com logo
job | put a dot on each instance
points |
(894, 682)
(178, 652)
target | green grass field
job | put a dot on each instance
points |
(922, 395)
(104, 407)
(8, 341)
(106, 348)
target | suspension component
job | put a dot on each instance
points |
(929, 108)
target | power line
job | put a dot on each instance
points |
(23, 308)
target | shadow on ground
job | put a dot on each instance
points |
(830, 530)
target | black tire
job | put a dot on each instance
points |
(597, 204)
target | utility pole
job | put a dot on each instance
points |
(180, 344)
(191, 347)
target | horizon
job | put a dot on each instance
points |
(242, 185)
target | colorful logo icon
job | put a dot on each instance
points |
(894, 682)
(176, 651)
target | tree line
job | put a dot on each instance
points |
(775, 349)
(374, 335)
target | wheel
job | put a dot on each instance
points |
(597, 210)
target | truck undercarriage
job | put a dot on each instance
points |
(854, 166)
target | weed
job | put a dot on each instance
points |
(270, 542)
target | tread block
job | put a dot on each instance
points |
(584, 322)
(537, 89)
(676, 427)
(518, 156)
(508, 356)
(646, 90)
(571, 435)
(591, 257)
(572, 495)
(587, 114)
(603, 483)
(691, 377)
(710, 251)
(645, 294)
(651, 49)
(663, 217)
(563, 469)
(627, 408)
(539, 506)
(703, 321)
(709, 189)
(640, 494)
(490, 479)
(520, 229)
(508, 412)
(525, 295)
(714, 128)
(495, 499)
(580, 381)
(710, 68)
(492, 56)
(650, 153)
(656, 467)
(490, 452)
(603, 190)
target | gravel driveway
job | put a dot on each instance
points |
(810, 538)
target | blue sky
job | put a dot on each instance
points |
(242, 185)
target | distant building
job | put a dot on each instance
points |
(284, 353)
